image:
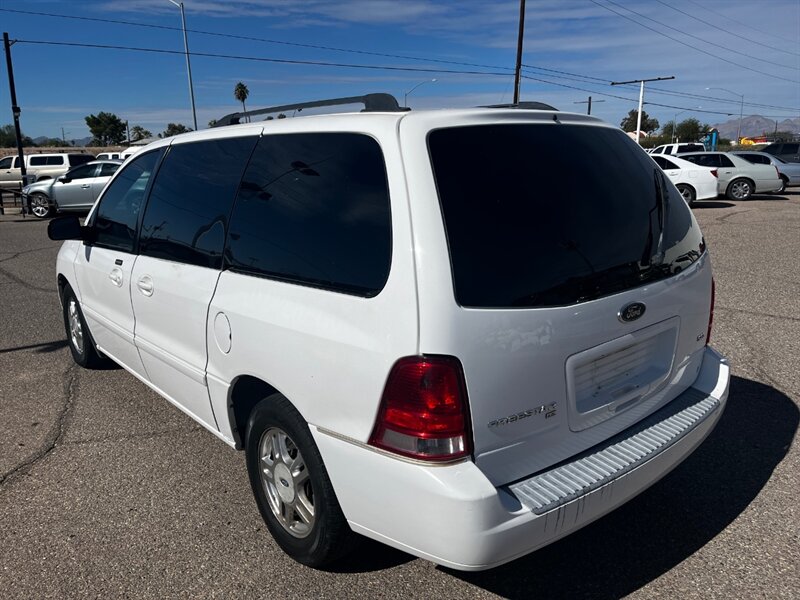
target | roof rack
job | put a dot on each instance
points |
(371, 102)
(524, 106)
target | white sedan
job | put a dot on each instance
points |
(693, 181)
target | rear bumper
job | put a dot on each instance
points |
(453, 516)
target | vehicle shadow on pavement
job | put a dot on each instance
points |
(712, 204)
(665, 525)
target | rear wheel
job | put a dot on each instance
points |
(291, 486)
(40, 205)
(687, 192)
(739, 189)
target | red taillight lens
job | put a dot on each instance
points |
(711, 314)
(423, 412)
(714, 173)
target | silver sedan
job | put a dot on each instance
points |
(77, 189)
(789, 172)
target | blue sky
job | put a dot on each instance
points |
(57, 86)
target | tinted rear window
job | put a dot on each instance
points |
(550, 215)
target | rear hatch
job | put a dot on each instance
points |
(579, 286)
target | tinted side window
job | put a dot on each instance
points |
(755, 159)
(187, 214)
(314, 209)
(118, 213)
(107, 169)
(724, 161)
(83, 172)
(37, 161)
(790, 148)
(56, 161)
(6, 162)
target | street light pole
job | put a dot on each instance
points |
(405, 96)
(520, 37)
(641, 83)
(188, 63)
(741, 110)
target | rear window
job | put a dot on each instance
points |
(78, 159)
(551, 215)
(691, 148)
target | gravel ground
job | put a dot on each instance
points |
(107, 491)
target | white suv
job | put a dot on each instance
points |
(412, 336)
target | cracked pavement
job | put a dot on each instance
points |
(107, 490)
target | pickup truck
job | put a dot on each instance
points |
(39, 167)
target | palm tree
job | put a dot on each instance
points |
(240, 92)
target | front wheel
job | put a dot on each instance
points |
(291, 485)
(687, 192)
(80, 340)
(40, 205)
(740, 189)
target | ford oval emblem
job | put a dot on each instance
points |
(631, 312)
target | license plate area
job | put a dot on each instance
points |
(615, 376)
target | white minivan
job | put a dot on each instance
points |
(411, 335)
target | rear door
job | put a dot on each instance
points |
(559, 301)
(181, 242)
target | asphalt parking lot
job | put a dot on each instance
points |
(108, 491)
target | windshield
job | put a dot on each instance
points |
(551, 215)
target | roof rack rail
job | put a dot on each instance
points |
(523, 105)
(371, 102)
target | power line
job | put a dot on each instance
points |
(640, 15)
(553, 72)
(748, 25)
(728, 31)
(661, 33)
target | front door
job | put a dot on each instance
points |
(74, 188)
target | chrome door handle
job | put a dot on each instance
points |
(86, 186)
(145, 285)
(116, 277)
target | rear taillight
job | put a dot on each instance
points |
(714, 173)
(423, 412)
(711, 313)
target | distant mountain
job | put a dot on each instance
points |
(756, 125)
(78, 143)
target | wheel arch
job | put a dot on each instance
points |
(246, 392)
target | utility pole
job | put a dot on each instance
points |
(589, 102)
(63, 136)
(641, 83)
(518, 71)
(15, 110)
(128, 129)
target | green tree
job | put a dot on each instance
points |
(629, 122)
(139, 133)
(240, 92)
(175, 129)
(690, 130)
(212, 122)
(107, 129)
(8, 138)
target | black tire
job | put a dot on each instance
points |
(39, 205)
(79, 338)
(328, 537)
(739, 189)
(687, 192)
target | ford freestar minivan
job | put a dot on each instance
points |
(411, 332)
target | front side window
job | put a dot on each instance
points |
(187, 214)
(116, 217)
(516, 243)
(82, 172)
(314, 209)
(6, 162)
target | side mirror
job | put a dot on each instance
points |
(68, 228)
(64, 179)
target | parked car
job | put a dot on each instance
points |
(108, 156)
(675, 149)
(788, 172)
(693, 181)
(406, 334)
(77, 189)
(738, 179)
(38, 167)
(788, 151)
